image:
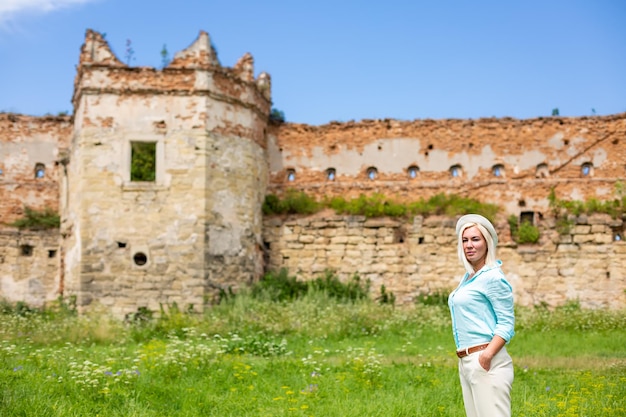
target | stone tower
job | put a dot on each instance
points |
(165, 178)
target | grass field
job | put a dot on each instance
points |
(308, 357)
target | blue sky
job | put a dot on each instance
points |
(344, 60)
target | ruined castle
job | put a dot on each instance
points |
(191, 223)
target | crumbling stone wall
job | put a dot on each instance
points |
(419, 256)
(513, 163)
(30, 266)
(30, 145)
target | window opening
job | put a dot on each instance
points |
(527, 217)
(586, 169)
(372, 173)
(455, 171)
(40, 170)
(52, 253)
(498, 170)
(330, 174)
(143, 161)
(291, 175)
(140, 259)
(413, 170)
(26, 250)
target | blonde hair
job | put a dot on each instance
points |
(490, 259)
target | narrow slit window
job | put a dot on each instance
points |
(586, 169)
(498, 170)
(40, 170)
(456, 171)
(143, 161)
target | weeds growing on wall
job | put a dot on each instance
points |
(38, 219)
(524, 232)
(377, 205)
(294, 202)
(561, 209)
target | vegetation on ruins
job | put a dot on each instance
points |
(38, 219)
(165, 56)
(564, 211)
(277, 116)
(377, 205)
(143, 161)
(294, 202)
(524, 232)
(280, 286)
(313, 355)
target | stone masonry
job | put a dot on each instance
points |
(419, 257)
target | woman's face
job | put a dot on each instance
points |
(474, 247)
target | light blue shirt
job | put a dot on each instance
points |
(482, 307)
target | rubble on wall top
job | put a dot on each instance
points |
(480, 122)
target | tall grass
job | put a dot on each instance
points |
(312, 356)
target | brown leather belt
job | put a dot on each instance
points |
(463, 353)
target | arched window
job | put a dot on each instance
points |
(291, 175)
(412, 171)
(456, 171)
(542, 171)
(498, 170)
(372, 173)
(330, 174)
(40, 170)
(586, 169)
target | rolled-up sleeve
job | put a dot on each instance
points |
(500, 294)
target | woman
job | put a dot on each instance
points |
(482, 321)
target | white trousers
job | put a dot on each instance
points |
(487, 393)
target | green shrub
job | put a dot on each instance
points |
(452, 205)
(332, 287)
(513, 226)
(386, 297)
(38, 219)
(615, 207)
(279, 287)
(277, 116)
(527, 233)
(563, 225)
(377, 205)
(294, 202)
